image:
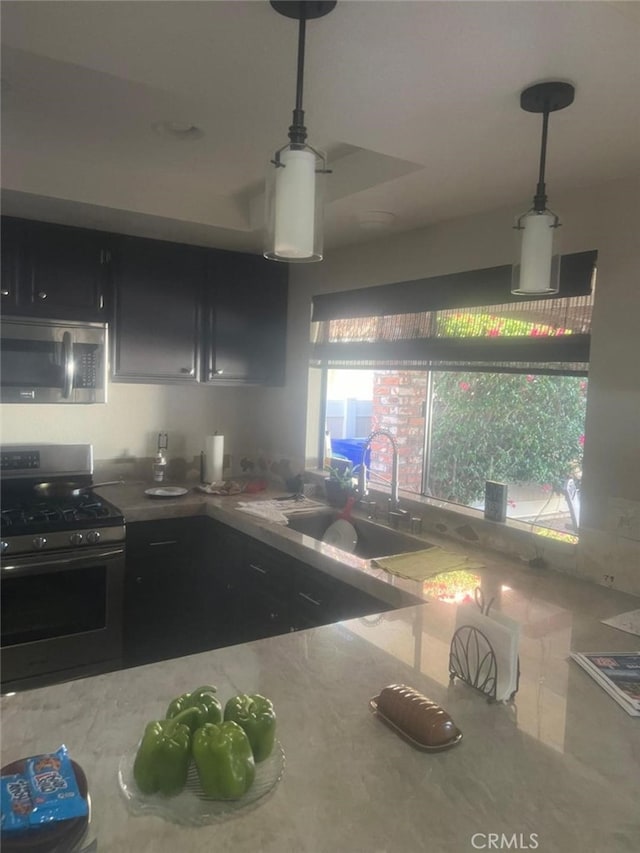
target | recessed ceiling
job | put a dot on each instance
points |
(417, 104)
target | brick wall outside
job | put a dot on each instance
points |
(398, 404)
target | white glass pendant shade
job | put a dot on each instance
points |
(294, 201)
(537, 268)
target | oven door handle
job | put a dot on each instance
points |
(40, 564)
(68, 365)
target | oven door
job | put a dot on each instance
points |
(61, 616)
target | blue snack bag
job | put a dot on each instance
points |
(54, 790)
(16, 802)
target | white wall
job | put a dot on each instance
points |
(128, 424)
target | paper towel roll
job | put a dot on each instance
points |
(214, 453)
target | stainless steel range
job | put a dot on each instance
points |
(62, 567)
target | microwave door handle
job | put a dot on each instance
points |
(69, 367)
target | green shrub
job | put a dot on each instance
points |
(509, 428)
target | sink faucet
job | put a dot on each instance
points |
(362, 473)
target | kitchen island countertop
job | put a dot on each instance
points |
(558, 770)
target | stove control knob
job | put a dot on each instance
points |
(76, 538)
(93, 537)
(4, 546)
(39, 542)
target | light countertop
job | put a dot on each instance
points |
(397, 591)
(560, 768)
(561, 763)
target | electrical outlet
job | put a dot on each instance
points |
(608, 580)
(623, 518)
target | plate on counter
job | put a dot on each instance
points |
(166, 492)
(192, 807)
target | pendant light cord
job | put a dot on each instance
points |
(540, 198)
(297, 131)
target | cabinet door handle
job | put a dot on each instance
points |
(5, 292)
(258, 569)
(42, 294)
(190, 371)
(163, 542)
(309, 599)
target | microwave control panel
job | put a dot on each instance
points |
(87, 367)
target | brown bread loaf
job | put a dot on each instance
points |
(421, 719)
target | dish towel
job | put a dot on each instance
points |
(420, 565)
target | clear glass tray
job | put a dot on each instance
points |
(191, 807)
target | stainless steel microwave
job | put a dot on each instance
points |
(50, 361)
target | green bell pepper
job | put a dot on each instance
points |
(256, 716)
(163, 757)
(224, 759)
(204, 700)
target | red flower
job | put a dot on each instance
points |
(464, 386)
(530, 378)
(493, 333)
(581, 440)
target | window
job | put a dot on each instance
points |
(456, 430)
(470, 393)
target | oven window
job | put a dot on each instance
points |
(53, 604)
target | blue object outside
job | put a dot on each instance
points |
(351, 449)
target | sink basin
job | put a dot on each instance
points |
(374, 540)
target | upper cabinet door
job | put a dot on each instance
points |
(157, 292)
(246, 319)
(12, 257)
(59, 271)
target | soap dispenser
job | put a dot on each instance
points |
(160, 460)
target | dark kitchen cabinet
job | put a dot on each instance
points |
(261, 592)
(12, 257)
(161, 605)
(179, 314)
(194, 584)
(157, 323)
(55, 271)
(242, 589)
(246, 312)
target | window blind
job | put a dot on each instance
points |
(470, 324)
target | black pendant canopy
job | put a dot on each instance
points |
(307, 9)
(547, 97)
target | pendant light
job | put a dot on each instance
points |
(537, 270)
(294, 192)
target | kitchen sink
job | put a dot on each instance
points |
(374, 540)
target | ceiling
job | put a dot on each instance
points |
(416, 102)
